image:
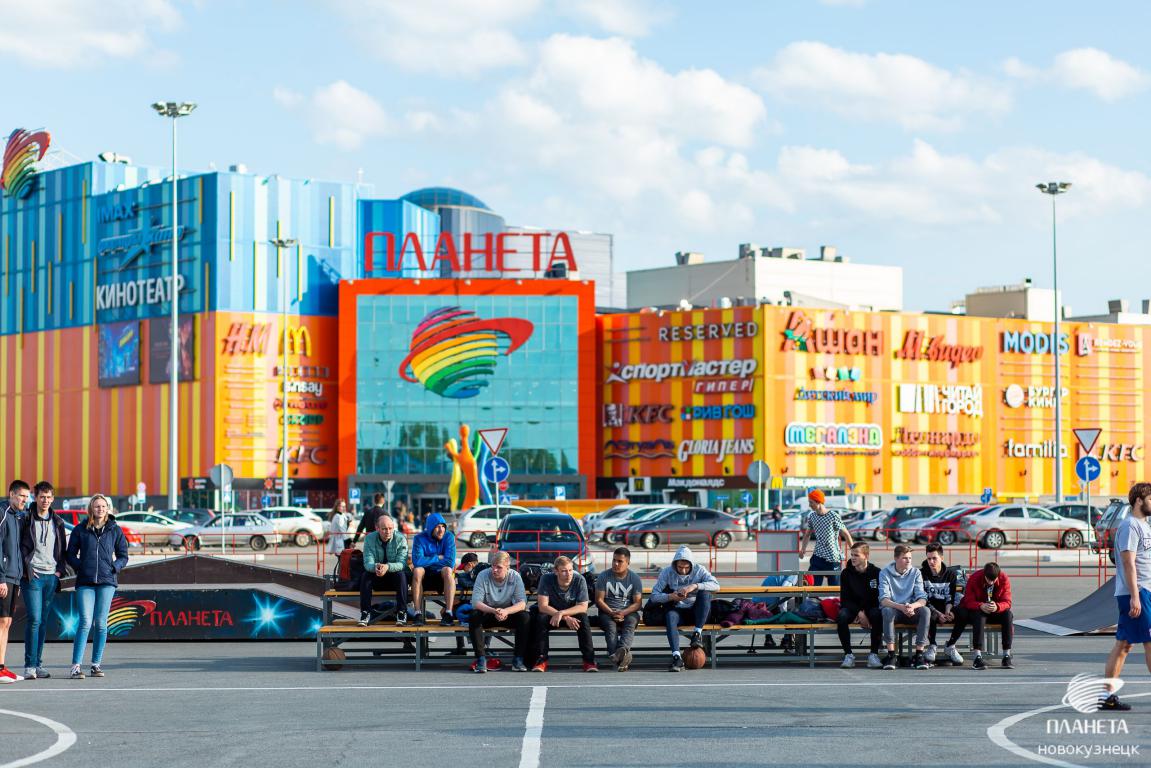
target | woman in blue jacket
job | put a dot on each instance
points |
(97, 551)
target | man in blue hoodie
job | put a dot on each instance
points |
(434, 566)
(685, 587)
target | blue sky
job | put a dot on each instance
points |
(906, 133)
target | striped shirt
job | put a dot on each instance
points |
(825, 528)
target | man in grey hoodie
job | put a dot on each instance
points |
(902, 598)
(685, 588)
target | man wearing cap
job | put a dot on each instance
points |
(828, 530)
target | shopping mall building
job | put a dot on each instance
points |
(415, 323)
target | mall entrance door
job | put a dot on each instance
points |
(427, 504)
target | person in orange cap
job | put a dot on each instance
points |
(829, 532)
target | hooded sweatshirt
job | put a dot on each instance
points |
(671, 580)
(429, 553)
(859, 591)
(901, 588)
(940, 587)
(11, 564)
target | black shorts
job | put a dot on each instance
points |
(8, 604)
(433, 581)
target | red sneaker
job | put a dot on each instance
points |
(541, 666)
(590, 666)
(8, 676)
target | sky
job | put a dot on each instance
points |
(903, 132)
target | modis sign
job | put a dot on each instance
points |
(488, 252)
(802, 336)
(916, 346)
(1028, 343)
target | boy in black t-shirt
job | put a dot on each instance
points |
(939, 582)
(859, 604)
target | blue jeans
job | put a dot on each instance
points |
(94, 603)
(817, 563)
(38, 593)
(697, 615)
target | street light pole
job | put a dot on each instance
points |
(1055, 188)
(281, 243)
(174, 110)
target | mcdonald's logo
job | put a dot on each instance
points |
(299, 341)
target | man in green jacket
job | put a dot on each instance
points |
(385, 567)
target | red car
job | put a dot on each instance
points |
(948, 530)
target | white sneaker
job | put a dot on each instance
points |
(873, 661)
(42, 674)
(953, 655)
(929, 654)
(29, 673)
(848, 661)
(76, 673)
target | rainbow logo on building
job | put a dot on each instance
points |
(453, 352)
(24, 150)
(124, 615)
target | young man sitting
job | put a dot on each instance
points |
(562, 602)
(987, 597)
(433, 567)
(618, 595)
(902, 598)
(685, 587)
(499, 599)
(859, 604)
(939, 584)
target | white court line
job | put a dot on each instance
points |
(893, 681)
(998, 734)
(65, 738)
(534, 728)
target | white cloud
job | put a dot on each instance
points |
(1094, 70)
(880, 87)
(446, 37)
(630, 18)
(338, 113)
(65, 34)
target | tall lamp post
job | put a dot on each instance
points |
(281, 243)
(1056, 188)
(174, 110)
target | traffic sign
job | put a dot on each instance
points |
(1087, 439)
(267, 484)
(987, 495)
(221, 475)
(494, 439)
(354, 495)
(496, 469)
(759, 472)
(746, 497)
(1088, 468)
(561, 492)
(503, 485)
(265, 500)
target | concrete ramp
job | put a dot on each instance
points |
(1095, 613)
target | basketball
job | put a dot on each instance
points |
(694, 658)
(335, 653)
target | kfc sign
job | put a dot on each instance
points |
(616, 415)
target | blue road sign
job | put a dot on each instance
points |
(496, 469)
(1088, 469)
(986, 497)
(746, 496)
(265, 500)
(354, 495)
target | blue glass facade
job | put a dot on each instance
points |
(401, 426)
(398, 217)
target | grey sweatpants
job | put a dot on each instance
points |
(620, 633)
(922, 621)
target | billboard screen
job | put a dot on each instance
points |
(119, 354)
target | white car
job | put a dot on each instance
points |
(155, 528)
(240, 529)
(478, 525)
(299, 525)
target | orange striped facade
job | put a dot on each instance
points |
(893, 402)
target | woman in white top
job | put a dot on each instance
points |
(338, 533)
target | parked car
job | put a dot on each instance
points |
(1017, 523)
(948, 529)
(617, 533)
(900, 515)
(870, 525)
(687, 525)
(595, 526)
(538, 538)
(1115, 513)
(300, 525)
(477, 525)
(1077, 511)
(909, 530)
(193, 515)
(233, 529)
(155, 528)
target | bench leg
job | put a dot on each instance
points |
(712, 647)
(319, 653)
(811, 649)
(419, 652)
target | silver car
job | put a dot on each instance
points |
(1004, 524)
(869, 525)
(595, 526)
(242, 529)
